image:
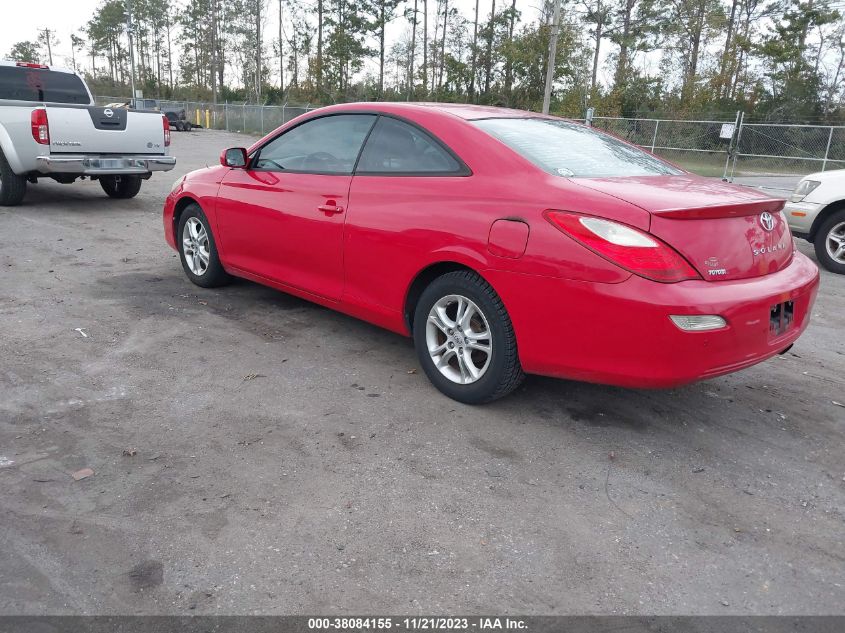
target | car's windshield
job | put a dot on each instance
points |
(568, 149)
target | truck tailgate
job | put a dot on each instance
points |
(96, 130)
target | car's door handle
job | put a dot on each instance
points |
(330, 208)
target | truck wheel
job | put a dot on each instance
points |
(830, 243)
(12, 186)
(121, 186)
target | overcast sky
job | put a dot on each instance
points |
(18, 20)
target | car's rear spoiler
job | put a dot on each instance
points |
(735, 209)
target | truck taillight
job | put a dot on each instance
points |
(166, 125)
(40, 127)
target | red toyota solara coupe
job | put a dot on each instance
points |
(503, 242)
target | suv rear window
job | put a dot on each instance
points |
(568, 149)
(38, 84)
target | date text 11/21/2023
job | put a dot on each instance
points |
(420, 623)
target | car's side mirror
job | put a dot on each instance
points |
(233, 157)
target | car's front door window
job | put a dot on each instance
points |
(328, 145)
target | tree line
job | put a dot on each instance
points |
(774, 59)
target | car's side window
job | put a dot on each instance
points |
(328, 145)
(395, 147)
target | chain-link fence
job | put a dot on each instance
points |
(785, 149)
(710, 148)
(700, 146)
(232, 117)
(735, 148)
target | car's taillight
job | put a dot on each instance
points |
(632, 249)
(40, 126)
(166, 125)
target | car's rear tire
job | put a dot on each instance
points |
(465, 340)
(12, 186)
(197, 249)
(830, 243)
(121, 186)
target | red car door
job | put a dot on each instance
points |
(282, 217)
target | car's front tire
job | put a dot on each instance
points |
(122, 187)
(197, 249)
(830, 243)
(12, 186)
(465, 340)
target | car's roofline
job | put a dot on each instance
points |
(465, 111)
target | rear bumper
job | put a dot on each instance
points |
(104, 165)
(621, 333)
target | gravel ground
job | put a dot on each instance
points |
(254, 453)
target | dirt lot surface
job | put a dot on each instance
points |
(254, 453)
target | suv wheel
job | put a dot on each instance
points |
(830, 243)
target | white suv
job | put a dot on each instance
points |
(816, 212)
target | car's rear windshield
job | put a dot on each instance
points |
(568, 149)
(39, 84)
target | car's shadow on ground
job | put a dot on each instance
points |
(285, 319)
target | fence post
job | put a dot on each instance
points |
(283, 113)
(736, 149)
(262, 119)
(654, 137)
(730, 147)
(827, 149)
(226, 113)
(588, 117)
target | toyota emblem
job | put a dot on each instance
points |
(767, 220)
(108, 112)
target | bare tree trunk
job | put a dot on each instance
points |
(473, 68)
(281, 52)
(620, 77)
(443, 44)
(319, 47)
(425, 46)
(489, 61)
(723, 66)
(258, 51)
(550, 68)
(509, 61)
(413, 52)
(381, 49)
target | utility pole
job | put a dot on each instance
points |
(131, 52)
(49, 49)
(550, 70)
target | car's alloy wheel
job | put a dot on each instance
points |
(197, 249)
(458, 339)
(830, 242)
(195, 246)
(465, 340)
(835, 243)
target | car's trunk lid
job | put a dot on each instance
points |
(725, 231)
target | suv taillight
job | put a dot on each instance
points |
(40, 126)
(632, 249)
(166, 125)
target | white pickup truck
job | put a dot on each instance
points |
(50, 128)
